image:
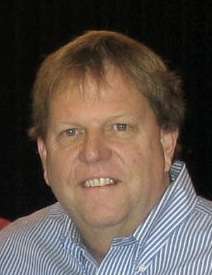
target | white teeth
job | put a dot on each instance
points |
(99, 182)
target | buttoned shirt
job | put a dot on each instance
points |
(175, 239)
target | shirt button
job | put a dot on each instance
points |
(142, 268)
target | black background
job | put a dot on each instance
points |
(180, 31)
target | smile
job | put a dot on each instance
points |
(98, 182)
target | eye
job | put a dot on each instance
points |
(71, 135)
(71, 132)
(121, 127)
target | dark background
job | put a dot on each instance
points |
(179, 30)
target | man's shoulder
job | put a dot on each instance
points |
(35, 238)
(32, 226)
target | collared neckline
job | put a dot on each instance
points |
(175, 206)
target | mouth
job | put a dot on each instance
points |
(99, 182)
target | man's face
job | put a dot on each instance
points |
(105, 157)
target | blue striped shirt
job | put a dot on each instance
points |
(175, 239)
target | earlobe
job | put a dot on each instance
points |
(168, 141)
(43, 156)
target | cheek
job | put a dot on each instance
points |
(146, 157)
(138, 152)
(131, 154)
(61, 178)
(58, 167)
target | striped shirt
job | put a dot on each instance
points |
(175, 239)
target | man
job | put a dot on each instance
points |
(106, 117)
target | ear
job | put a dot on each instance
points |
(43, 156)
(168, 141)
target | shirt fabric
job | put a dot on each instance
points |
(175, 239)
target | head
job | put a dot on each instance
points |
(91, 54)
(106, 114)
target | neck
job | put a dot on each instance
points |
(98, 246)
(99, 241)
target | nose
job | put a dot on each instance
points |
(94, 148)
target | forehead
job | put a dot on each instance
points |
(112, 95)
(94, 85)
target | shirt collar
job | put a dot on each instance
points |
(175, 206)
